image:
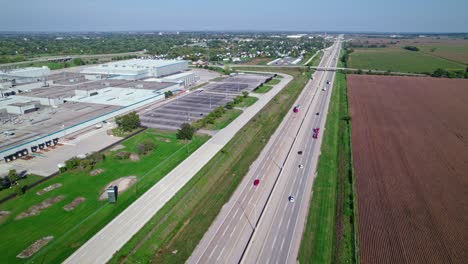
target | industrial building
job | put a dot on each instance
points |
(37, 108)
(138, 68)
(24, 75)
(185, 79)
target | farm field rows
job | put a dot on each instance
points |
(399, 60)
(409, 138)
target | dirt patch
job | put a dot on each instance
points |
(4, 215)
(117, 147)
(36, 209)
(35, 247)
(164, 139)
(134, 157)
(122, 183)
(49, 188)
(74, 204)
(96, 172)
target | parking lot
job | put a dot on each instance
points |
(198, 104)
(186, 109)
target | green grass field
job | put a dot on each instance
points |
(246, 102)
(181, 223)
(457, 53)
(330, 205)
(71, 229)
(263, 89)
(224, 120)
(30, 179)
(273, 81)
(399, 60)
(316, 60)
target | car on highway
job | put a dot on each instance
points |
(301, 166)
(291, 198)
(324, 89)
(299, 152)
(256, 182)
(316, 131)
(318, 113)
(296, 108)
(328, 82)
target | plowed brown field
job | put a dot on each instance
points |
(410, 152)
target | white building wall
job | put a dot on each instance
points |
(67, 131)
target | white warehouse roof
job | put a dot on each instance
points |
(28, 72)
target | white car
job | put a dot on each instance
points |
(291, 199)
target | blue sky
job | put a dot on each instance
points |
(288, 15)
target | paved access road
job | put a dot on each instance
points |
(101, 247)
(259, 224)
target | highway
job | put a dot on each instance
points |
(259, 224)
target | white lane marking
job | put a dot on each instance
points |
(274, 241)
(220, 254)
(282, 244)
(214, 249)
(289, 221)
(234, 230)
(281, 220)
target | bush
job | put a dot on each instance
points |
(411, 48)
(72, 163)
(229, 105)
(145, 147)
(245, 94)
(186, 131)
(122, 155)
(168, 94)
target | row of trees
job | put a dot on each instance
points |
(442, 73)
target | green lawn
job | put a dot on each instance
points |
(72, 229)
(247, 101)
(316, 60)
(458, 53)
(181, 223)
(398, 60)
(331, 205)
(31, 178)
(273, 81)
(224, 120)
(263, 89)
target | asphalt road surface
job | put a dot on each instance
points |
(259, 224)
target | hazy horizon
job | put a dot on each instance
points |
(361, 16)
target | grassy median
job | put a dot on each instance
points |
(329, 233)
(174, 232)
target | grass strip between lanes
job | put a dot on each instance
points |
(174, 232)
(329, 232)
